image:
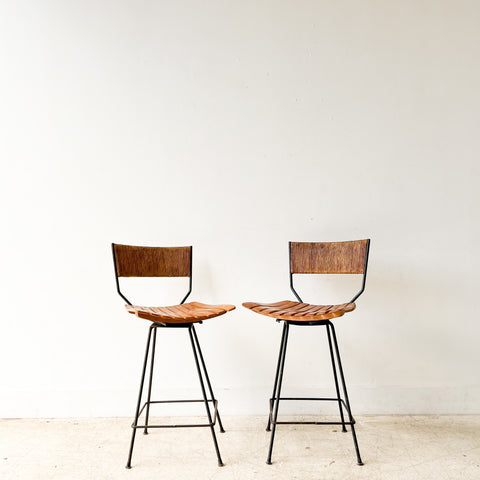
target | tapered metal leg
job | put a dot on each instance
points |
(334, 367)
(276, 380)
(220, 463)
(342, 378)
(152, 359)
(135, 423)
(206, 377)
(278, 391)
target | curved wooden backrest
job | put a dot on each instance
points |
(133, 261)
(331, 257)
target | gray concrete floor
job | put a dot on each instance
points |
(392, 447)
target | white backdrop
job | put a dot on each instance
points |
(236, 127)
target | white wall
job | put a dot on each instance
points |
(236, 127)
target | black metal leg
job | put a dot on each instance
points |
(334, 367)
(220, 463)
(359, 460)
(135, 423)
(145, 432)
(276, 381)
(279, 388)
(206, 377)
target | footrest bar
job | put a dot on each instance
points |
(179, 401)
(328, 399)
(175, 426)
(313, 399)
(313, 423)
(214, 420)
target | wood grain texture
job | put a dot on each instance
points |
(288, 310)
(134, 261)
(331, 257)
(186, 313)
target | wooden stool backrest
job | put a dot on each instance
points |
(133, 261)
(328, 257)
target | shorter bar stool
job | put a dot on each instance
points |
(333, 257)
(135, 261)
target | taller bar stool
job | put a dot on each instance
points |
(135, 261)
(333, 257)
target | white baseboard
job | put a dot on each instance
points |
(238, 401)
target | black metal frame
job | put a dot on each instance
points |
(343, 403)
(201, 370)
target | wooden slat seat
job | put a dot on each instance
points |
(297, 311)
(185, 313)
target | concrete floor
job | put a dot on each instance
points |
(392, 447)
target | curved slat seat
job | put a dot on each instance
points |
(186, 313)
(288, 310)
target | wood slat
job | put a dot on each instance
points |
(185, 313)
(297, 311)
(175, 313)
(135, 261)
(311, 310)
(331, 257)
(184, 310)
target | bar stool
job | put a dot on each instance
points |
(135, 261)
(333, 257)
